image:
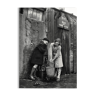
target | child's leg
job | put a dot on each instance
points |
(59, 73)
(55, 75)
(33, 71)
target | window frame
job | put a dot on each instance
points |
(35, 17)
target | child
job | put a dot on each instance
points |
(37, 56)
(57, 57)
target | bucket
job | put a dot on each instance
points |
(42, 74)
(50, 71)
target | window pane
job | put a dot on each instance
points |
(30, 12)
(40, 16)
(34, 14)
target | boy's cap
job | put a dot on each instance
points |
(46, 39)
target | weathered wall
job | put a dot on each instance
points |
(31, 32)
(73, 38)
(70, 48)
(78, 49)
(21, 43)
(34, 33)
(50, 24)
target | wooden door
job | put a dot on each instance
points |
(65, 52)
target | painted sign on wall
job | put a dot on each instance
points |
(63, 23)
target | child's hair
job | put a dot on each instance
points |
(58, 40)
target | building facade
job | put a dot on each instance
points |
(37, 23)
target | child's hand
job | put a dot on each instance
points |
(51, 60)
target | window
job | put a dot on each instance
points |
(35, 14)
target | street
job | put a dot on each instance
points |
(67, 81)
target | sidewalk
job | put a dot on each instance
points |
(67, 81)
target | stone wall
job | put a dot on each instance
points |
(30, 33)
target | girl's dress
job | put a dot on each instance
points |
(57, 52)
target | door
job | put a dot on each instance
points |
(65, 52)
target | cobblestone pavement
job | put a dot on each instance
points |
(67, 81)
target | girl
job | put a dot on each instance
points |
(57, 58)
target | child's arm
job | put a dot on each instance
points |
(57, 54)
(41, 48)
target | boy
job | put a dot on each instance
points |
(37, 56)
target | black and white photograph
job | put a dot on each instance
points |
(47, 47)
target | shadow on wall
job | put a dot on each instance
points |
(30, 65)
(27, 66)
